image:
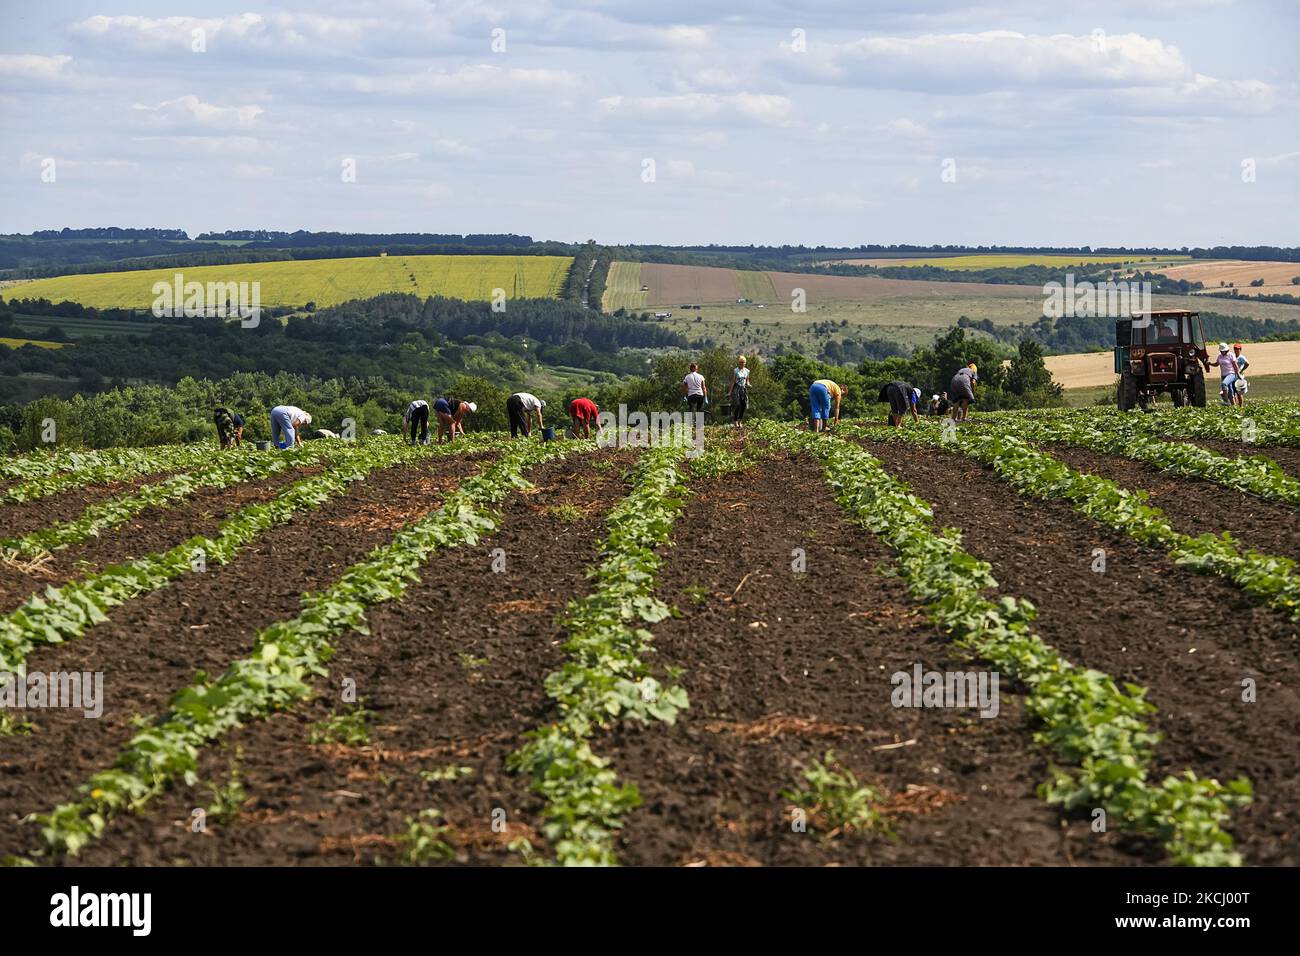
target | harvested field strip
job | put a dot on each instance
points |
(201, 623)
(1195, 643)
(63, 613)
(782, 664)
(1257, 475)
(122, 465)
(604, 679)
(109, 514)
(1097, 731)
(1266, 577)
(285, 654)
(451, 676)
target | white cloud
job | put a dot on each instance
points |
(31, 66)
(189, 110)
(761, 108)
(469, 82)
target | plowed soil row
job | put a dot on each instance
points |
(1193, 506)
(153, 646)
(1190, 638)
(453, 674)
(782, 666)
(153, 530)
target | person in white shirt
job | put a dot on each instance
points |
(417, 417)
(739, 391)
(693, 387)
(1240, 387)
(520, 407)
(286, 425)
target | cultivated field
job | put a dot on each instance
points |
(1011, 261)
(1277, 276)
(512, 653)
(323, 281)
(1089, 369)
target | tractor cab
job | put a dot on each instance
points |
(1160, 352)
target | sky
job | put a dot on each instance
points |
(818, 122)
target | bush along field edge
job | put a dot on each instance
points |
(285, 656)
(1097, 733)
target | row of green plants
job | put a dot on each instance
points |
(80, 469)
(1130, 437)
(224, 472)
(64, 613)
(1268, 578)
(39, 464)
(604, 678)
(1097, 732)
(286, 655)
(1267, 424)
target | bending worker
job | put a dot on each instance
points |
(520, 407)
(584, 412)
(286, 425)
(820, 394)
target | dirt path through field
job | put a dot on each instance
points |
(153, 646)
(1190, 638)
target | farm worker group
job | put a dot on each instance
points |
(451, 413)
(1232, 375)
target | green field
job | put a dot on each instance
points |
(19, 343)
(623, 287)
(325, 282)
(38, 326)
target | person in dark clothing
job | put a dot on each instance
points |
(902, 398)
(230, 427)
(520, 407)
(417, 416)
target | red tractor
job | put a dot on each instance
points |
(1161, 352)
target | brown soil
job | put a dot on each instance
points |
(1193, 506)
(454, 675)
(24, 517)
(153, 646)
(1190, 638)
(789, 665)
(151, 531)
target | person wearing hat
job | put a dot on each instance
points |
(583, 412)
(820, 394)
(519, 408)
(1241, 386)
(902, 398)
(962, 388)
(286, 425)
(451, 413)
(1228, 374)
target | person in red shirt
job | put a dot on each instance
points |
(584, 412)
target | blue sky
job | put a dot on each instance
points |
(1117, 122)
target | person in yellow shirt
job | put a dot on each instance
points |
(820, 394)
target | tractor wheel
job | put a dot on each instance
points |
(1198, 389)
(1179, 395)
(1128, 392)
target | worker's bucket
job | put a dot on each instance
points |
(264, 446)
(548, 433)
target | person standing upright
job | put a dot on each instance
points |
(739, 392)
(695, 389)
